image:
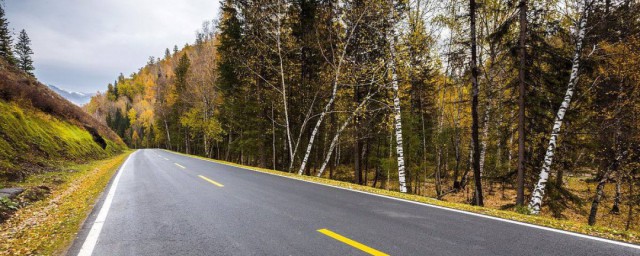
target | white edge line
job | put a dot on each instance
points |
(92, 238)
(445, 208)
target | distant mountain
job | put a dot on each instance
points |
(78, 98)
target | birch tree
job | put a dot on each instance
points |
(344, 125)
(392, 38)
(539, 190)
(334, 90)
(283, 90)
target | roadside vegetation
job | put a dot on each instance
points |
(49, 223)
(42, 133)
(32, 141)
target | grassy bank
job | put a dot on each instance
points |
(32, 141)
(546, 221)
(49, 226)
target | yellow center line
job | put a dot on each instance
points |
(211, 181)
(353, 243)
(180, 166)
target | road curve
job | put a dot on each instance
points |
(169, 204)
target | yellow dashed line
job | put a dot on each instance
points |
(350, 242)
(211, 181)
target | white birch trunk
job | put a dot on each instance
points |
(329, 104)
(284, 88)
(166, 127)
(344, 125)
(397, 115)
(539, 190)
(327, 108)
(485, 135)
(273, 139)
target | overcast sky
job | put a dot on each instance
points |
(82, 45)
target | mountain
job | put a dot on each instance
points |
(78, 98)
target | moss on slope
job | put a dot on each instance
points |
(33, 141)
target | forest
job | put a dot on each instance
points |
(529, 105)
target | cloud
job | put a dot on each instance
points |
(81, 45)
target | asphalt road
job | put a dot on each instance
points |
(169, 204)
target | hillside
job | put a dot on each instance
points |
(40, 130)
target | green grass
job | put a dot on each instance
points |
(31, 140)
(598, 231)
(49, 226)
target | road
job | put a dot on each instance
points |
(169, 204)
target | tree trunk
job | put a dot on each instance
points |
(166, 127)
(398, 114)
(560, 177)
(357, 174)
(327, 107)
(596, 200)
(186, 141)
(485, 136)
(227, 153)
(344, 125)
(478, 200)
(538, 192)
(631, 205)
(438, 170)
(465, 175)
(521, 103)
(283, 86)
(616, 201)
(273, 139)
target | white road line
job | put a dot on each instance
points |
(453, 210)
(92, 238)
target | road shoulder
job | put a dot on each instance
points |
(50, 225)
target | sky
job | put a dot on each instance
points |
(82, 45)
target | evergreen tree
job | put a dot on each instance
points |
(167, 54)
(229, 39)
(5, 39)
(181, 73)
(24, 52)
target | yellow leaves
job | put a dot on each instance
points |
(146, 118)
(135, 137)
(622, 59)
(200, 123)
(133, 115)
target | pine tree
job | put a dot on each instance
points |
(24, 52)
(5, 39)
(181, 73)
